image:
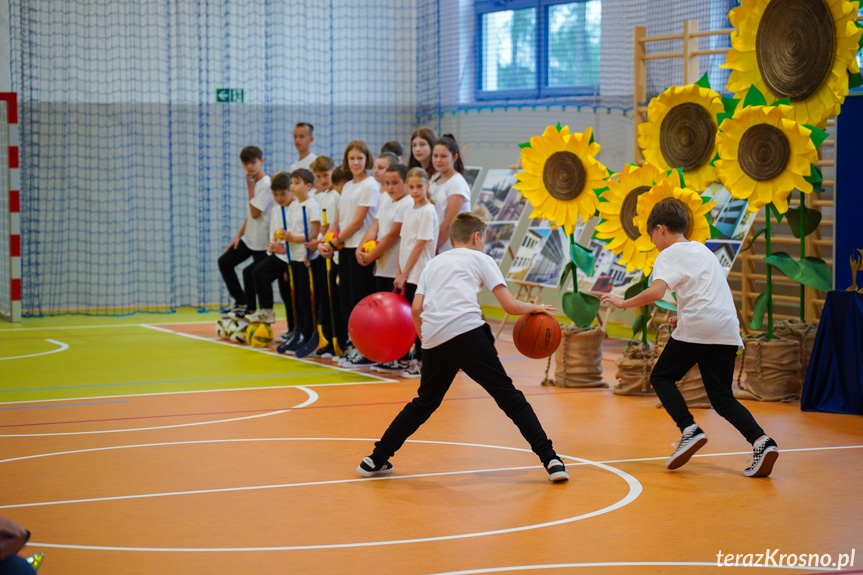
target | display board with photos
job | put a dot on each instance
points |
(542, 254)
(501, 206)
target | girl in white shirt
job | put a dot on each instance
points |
(417, 248)
(358, 207)
(387, 228)
(449, 190)
(422, 142)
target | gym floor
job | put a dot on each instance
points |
(143, 444)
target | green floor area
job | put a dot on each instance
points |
(73, 357)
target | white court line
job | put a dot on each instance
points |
(611, 564)
(313, 397)
(635, 490)
(63, 347)
(267, 351)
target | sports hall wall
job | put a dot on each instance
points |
(131, 184)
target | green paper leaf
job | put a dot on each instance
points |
(634, 290)
(591, 134)
(558, 126)
(855, 80)
(815, 178)
(581, 308)
(525, 145)
(817, 136)
(754, 237)
(811, 272)
(775, 211)
(665, 305)
(704, 82)
(637, 325)
(758, 311)
(715, 232)
(815, 273)
(682, 179)
(730, 105)
(812, 219)
(582, 257)
(567, 269)
(720, 118)
(783, 102)
(754, 98)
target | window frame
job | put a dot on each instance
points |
(542, 89)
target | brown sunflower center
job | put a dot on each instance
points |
(764, 152)
(686, 136)
(563, 176)
(627, 212)
(794, 47)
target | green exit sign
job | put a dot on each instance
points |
(227, 95)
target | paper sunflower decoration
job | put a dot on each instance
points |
(697, 208)
(797, 49)
(764, 154)
(680, 132)
(560, 176)
(618, 213)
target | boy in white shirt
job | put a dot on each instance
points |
(251, 240)
(454, 336)
(275, 265)
(302, 181)
(304, 135)
(706, 332)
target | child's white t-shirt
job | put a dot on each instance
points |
(390, 213)
(304, 163)
(441, 193)
(419, 224)
(276, 225)
(354, 196)
(255, 236)
(705, 306)
(294, 214)
(449, 286)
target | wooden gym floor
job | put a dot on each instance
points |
(143, 445)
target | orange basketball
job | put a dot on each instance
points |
(536, 335)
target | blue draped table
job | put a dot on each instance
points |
(834, 381)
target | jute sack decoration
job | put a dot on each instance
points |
(772, 369)
(633, 370)
(578, 359)
(692, 385)
(802, 332)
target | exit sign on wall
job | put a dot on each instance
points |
(227, 95)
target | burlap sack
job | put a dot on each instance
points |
(633, 370)
(691, 386)
(772, 369)
(802, 332)
(578, 360)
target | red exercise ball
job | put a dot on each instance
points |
(381, 327)
(536, 335)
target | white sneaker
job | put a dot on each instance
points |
(691, 441)
(262, 316)
(413, 370)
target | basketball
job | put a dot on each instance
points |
(536, 335)
(237, 331)
(259, 334)
(222, 327)
(381, 327)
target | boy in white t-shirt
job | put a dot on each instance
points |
(706, 332)
(302, 181)
(251, 241)
(448, 317)
(304, 135)
(275, 265)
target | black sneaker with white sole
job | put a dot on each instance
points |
(764, 455)
(556, 471)
(692, 440)
(367, 468)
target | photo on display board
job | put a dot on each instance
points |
(501, 206)
(542, 254)
(471, 173)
